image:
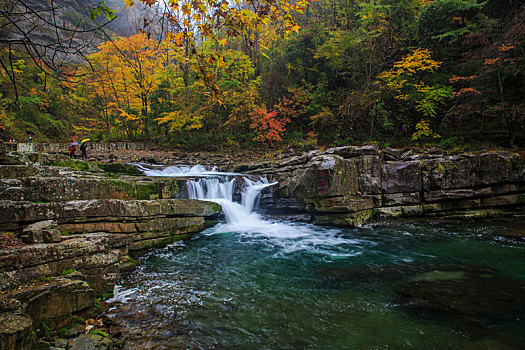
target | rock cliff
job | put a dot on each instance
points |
(79, 222)
(345, 186)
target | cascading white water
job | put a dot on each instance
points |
(219, 187)
(241, 218)
(221, 190)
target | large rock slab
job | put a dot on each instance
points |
(470, 171)
(67, 188)
(401, 177)
(323, 176)
(52, 299)
(342, 204)
(343, 220)
(369, 173)
(96, 255)
(63, 212)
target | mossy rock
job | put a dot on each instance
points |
(73, 164)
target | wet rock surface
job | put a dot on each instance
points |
(473, 298)
(68, 228)
(474, 301)
(397, 182)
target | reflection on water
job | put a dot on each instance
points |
(280, 285)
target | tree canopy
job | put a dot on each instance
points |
(278, 72)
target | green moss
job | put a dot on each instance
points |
(146, 191)
(79, 319)
(216, 208)
(74, 164)
(41, 279)
(68, 271)
(106, 295)
(44, 326)
(64, 331)
(170, 188)
(99, 332)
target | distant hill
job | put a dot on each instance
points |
(63, 33)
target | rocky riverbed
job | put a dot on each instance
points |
(71, 227)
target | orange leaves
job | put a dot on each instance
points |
(456, 79)
(147, 2)
(466, 92)
(506, 47)
(267, 125)
(492, 61)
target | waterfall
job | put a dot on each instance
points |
(220, 190)
(219, 187)
(241, 218)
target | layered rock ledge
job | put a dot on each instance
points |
(345, 186)
(80, 223)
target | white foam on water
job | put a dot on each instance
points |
(242, 219)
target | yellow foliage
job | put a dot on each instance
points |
(179, 120)
(423, 129)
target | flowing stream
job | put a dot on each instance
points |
(255, 283)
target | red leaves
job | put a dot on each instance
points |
(267, 125)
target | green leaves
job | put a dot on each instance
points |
(102, 9)
(449, 20)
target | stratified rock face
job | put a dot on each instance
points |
(79, 227)
(15, 331)
(341, 186)
(146, 221)
(54, 298)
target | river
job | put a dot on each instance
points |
(256, 283)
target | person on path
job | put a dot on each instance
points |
(83, 150)
(72, 150)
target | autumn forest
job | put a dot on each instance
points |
(206, 74)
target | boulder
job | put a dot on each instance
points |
(369, 174)
(53, 299)
(15, 331)
(41, 232)
(401, 177)
(323, 176)
(92, 342)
